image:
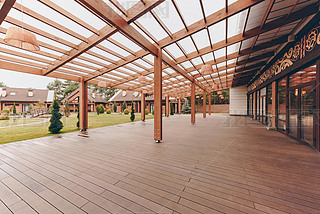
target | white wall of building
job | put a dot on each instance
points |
(238, 101)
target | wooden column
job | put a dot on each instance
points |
(158, 97)
(167, 106)
(317, 110)
(143, 106)
(204, 104)
(193, 103)
(255, 107)
(83, 108)
(274, 104)
(179, 106)
(209, 100)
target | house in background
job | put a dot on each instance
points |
(93, 101)
(128, 96)
(23, 97)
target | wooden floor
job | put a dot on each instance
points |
(221, 164)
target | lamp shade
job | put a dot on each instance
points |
(219, 92)
(21, 38)
(142, 79)
(197, 97)
(102, 84)
(206, 69)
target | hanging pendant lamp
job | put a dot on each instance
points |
(206, 69)
(21, 38)
(142, 79)
(102, 84)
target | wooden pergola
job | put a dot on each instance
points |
(125, 48)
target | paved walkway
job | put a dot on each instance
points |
(220, 165)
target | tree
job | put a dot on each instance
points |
(171, 109)
(67, 109)
(186, 109)
(55, 123)
(2, 85)
(132, 117)
(124, 106)
(114, 107)
(14, 109)
(57, 86)
(104, 92)
(63, 89)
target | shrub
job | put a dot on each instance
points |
(55, 123)
(114, 107)
(152, 112)
(67, 109)
(4, 118)
(132, 113)
(124, 106)
(147, 111)
(171, 109)
(5, 111)
(126, 111)
(78, 120)
(98, 109)
(14, 111)
(102, 110)
(109, 111)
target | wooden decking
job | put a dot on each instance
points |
(220, 165)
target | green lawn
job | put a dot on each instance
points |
(25, 132)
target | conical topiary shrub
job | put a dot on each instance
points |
(171, 109)
(132, 117)
(55, 123)
(14, 111)
(78, 120)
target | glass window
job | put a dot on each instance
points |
(282, 85)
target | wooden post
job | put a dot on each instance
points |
(179, 106)
(193, 103)
(209, 103)
(274, 104)
(204, 104)
(317, 110)
(158, 97)
(255, 105)
(143, 106)
(167, 106)
(83, 108)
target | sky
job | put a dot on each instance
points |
(191, 11)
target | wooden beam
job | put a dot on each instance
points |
(158, 97)
(5, 8)
(101, 9)
(212, 19)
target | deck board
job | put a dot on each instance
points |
(209, 167)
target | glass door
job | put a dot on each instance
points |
(307, 107)
(293, 112)
(301, 107)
